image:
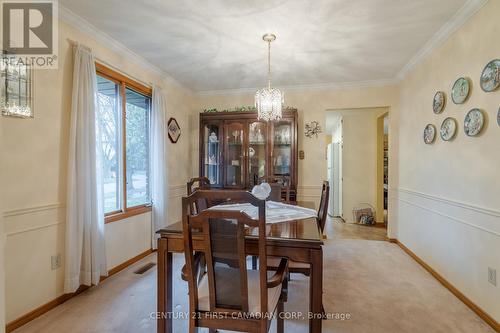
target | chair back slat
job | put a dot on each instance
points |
(195, 184)
(224, 249)
(323, 205)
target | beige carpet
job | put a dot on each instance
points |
(375, 282)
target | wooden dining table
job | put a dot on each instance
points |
(298, 240)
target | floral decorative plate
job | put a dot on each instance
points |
(460, 91)
(498, 117)
(474, 122)
(448, 129)
(429, 134)
(490, 77)
(439, 102)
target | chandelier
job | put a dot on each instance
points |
(269, 101)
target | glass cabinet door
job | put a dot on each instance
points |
(257, 136)
(211, 146)
(234, 159)
(282, 151)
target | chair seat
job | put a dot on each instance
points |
(253, 277)
(275, 261)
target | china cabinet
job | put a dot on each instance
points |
(236, 150)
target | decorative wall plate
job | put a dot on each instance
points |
(474, 122)
(448, 129)
(490, 77)
(174, 130)
(460, 91)
(429, 134)
(439, 102)
(498, 117)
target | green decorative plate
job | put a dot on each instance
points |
(429, 134)
(448, 129)
(474, 122)
(439, 102)
(490, 77)
(460, 91)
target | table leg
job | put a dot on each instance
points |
(316, 291)
(164, 306)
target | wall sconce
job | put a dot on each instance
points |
(312, 128)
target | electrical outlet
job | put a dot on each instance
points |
(492, 276)
(55, 261)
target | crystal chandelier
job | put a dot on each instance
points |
(269, 101)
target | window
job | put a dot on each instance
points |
(124, 110)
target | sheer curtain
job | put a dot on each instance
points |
(159, 163)
(85, 252)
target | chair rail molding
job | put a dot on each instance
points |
(176, 191)
(484, 219)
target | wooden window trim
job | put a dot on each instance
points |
(124, 82)
(116, 76)
(128, 213)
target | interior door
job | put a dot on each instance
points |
(336, 180)
(330, 176)
(234, 156)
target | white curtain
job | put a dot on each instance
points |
(85, 251)
(159, 163)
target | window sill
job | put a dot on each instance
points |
(129, 213)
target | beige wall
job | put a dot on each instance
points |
(449, 197)
(311, 105)
(34, 157)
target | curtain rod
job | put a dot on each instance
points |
(104, 62)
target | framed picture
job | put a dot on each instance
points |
(174, 130)
(16, 90)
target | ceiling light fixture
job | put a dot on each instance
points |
(269, 101)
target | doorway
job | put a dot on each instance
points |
(334, 169)
(357, 165)
(382, 168)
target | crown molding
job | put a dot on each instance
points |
(457, 20)
(85, 26)
(302, 87)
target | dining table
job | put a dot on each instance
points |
(292, 234)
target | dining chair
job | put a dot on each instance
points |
(195, 184)
(223, 292)
(277, 186)
(298, 267)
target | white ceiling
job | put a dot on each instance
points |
(216, 44)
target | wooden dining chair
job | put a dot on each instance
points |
(223, 292)
(303, 268)
(195, 184)
(277, 188)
